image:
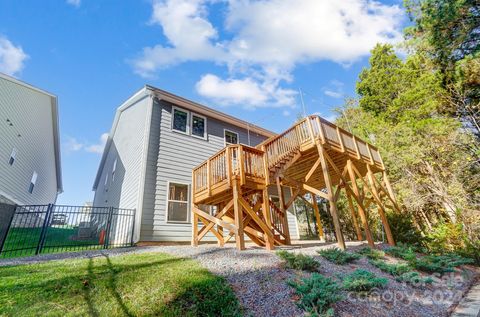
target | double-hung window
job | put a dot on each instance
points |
(114, 168)
(230, 137)
(33, 181)
(177, 203)
(180, 120)
(13, 156)
(199, 126)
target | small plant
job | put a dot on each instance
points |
(317, 294)
(362, 280)
(370, 253)
(402, 252)
(392, 269)
(414, 278)
(338, 256)
(440, 263)
(298, 261)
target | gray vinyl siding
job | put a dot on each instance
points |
(178, 154)
(291, 212)
(127, 147)
(32, 134)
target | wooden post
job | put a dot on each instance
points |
(221, 243)
(239, 238)
(194, 229)
(317, 216)
(332, 202)
(354, 216)
(381, 209)
(361, 208)
(389, 188)
(269, 243)
(284, 211)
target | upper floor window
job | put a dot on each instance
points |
(180, 120)
(105, 185)
(114, 168)
(13, 155)
(231, 137)
(177, 203)
(33, 181)
(198, 125)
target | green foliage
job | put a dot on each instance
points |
(370, 253)
(298, 261)
(404, 230)
(338, 256)
(414, 278)
(362, 280)
(317, 293)
(392, 269)
(402, 252)
(439, 263)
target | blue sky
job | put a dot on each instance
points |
(246, 58)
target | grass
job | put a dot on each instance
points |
(338, 256)
(24, 241)
(130, 285)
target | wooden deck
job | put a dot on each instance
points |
(314, 156)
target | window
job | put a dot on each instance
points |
(33, 181)
(180, 120)
(177, 203)
(198, 125)
(13, 155)
(231, 137)
(113, 170)
(106, 183)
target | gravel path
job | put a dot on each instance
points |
(259, 280)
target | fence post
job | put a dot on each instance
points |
(46, 221)
(2, 243)
(109, 225)
(133, 225)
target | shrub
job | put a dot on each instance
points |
(298, 261)
(414, 278)
(404, 230)
(402, 252)
(317, 293)
(370, 253)
(338, 256)
(392, 269)
(362, 280)
(439, 263)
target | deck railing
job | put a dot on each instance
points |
(240, 161)
(307, 131)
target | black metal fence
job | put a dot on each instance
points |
(36, 229)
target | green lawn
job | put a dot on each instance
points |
(56, 240)
(130, 285)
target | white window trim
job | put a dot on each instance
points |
(13, 155)
(204, 137)
(167, 200)
(33, 181)
(105, 184)
(114, 169)
(187, 132)
(225, 139)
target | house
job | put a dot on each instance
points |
(156, 141)
(30, 170)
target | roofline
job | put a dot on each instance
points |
(148, 90)
(55, 123)
(202, 109)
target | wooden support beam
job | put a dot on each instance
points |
(194, 230)
(219, 215)
(361, 208)
(214, 220)
(332, 203)
(312, 170)
(317, 217)
(381, 208)
(354, 216)
(269, 241)
(281, 198)
(238, 215)
(292, 199)
(314, 191)
(255, 217)
(212, 230)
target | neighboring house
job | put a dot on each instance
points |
(156, 140)
(30, 171)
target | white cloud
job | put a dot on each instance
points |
(334, 89)
(98, 148)
(74, 145)
(286, 113)
(75, 3)
(12, 58)
(266, 40)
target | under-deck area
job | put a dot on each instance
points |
(312, 157)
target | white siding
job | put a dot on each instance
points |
(127, 148)
(32, 134)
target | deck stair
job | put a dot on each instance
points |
(312, 157)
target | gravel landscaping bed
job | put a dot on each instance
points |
(259, 280)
